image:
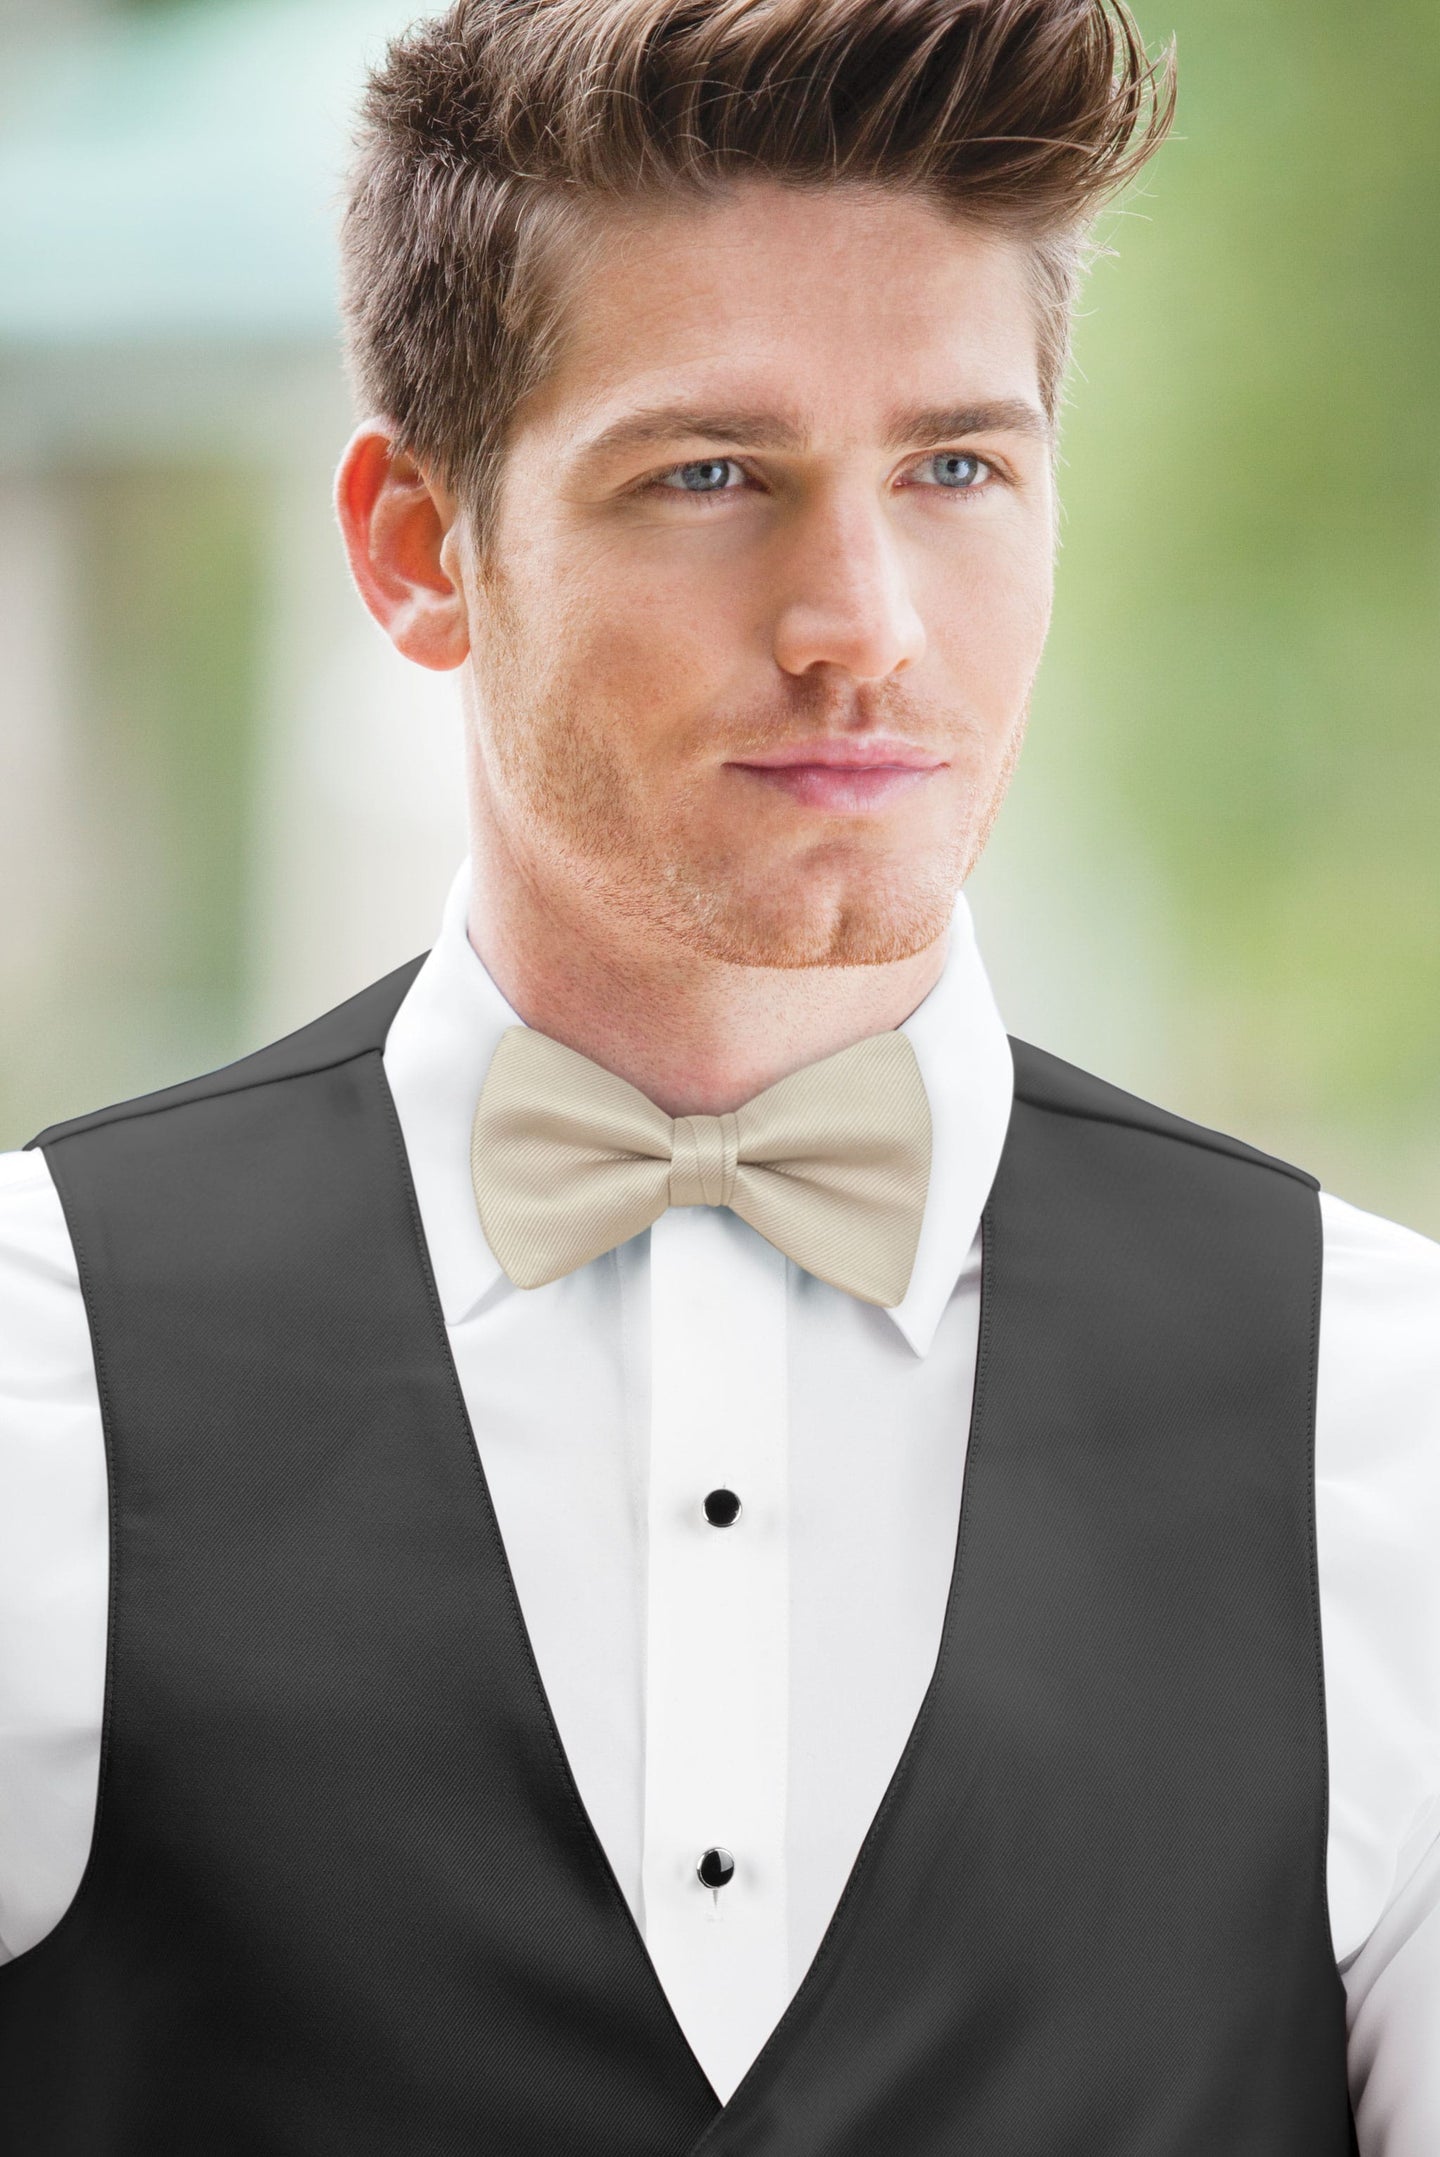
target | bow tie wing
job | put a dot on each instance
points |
(834, 1165)
(567, 1159)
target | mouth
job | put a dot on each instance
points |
(847, 774)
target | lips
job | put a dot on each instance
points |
(848, 752)
(846, 774)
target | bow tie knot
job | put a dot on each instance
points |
(830, 1165)
(704, 1159)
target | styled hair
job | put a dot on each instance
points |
(490, 136)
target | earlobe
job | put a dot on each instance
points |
(395, 523)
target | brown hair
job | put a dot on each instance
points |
(488, 134)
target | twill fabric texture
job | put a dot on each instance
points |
(830, 1164)
(343, 1893)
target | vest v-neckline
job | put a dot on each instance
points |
(771, 2059)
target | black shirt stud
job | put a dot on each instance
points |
(715, 1867)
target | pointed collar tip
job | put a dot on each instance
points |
(917, 1318)
(468, 1282)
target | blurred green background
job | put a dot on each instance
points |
(224, 804)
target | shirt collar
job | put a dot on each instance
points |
(964, 1056)
(449, 1024)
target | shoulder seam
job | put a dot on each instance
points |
(123, 1112)
(1250, 1157)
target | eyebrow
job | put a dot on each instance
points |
(767, 430)
(1004, 415)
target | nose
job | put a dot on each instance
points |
(844, 597)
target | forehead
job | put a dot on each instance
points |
(832, 302)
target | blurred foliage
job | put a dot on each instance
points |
(1251, 603)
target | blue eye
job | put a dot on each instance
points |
(699, 478)
(958, 470)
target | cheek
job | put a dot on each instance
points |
(989, 624)
(651, 662)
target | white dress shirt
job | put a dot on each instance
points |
(753, 1687)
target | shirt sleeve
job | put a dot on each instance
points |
(1377, 1460)
(54, 1560)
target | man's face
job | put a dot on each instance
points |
(770, 578)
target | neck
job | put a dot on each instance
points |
(696, 1035)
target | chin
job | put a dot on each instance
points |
(877, 923)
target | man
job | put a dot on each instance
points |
(555, 1698)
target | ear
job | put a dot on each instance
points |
(395, 524)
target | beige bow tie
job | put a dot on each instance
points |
(831, 1165)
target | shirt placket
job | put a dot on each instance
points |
(717, 1651)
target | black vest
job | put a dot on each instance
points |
(344, 1899)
